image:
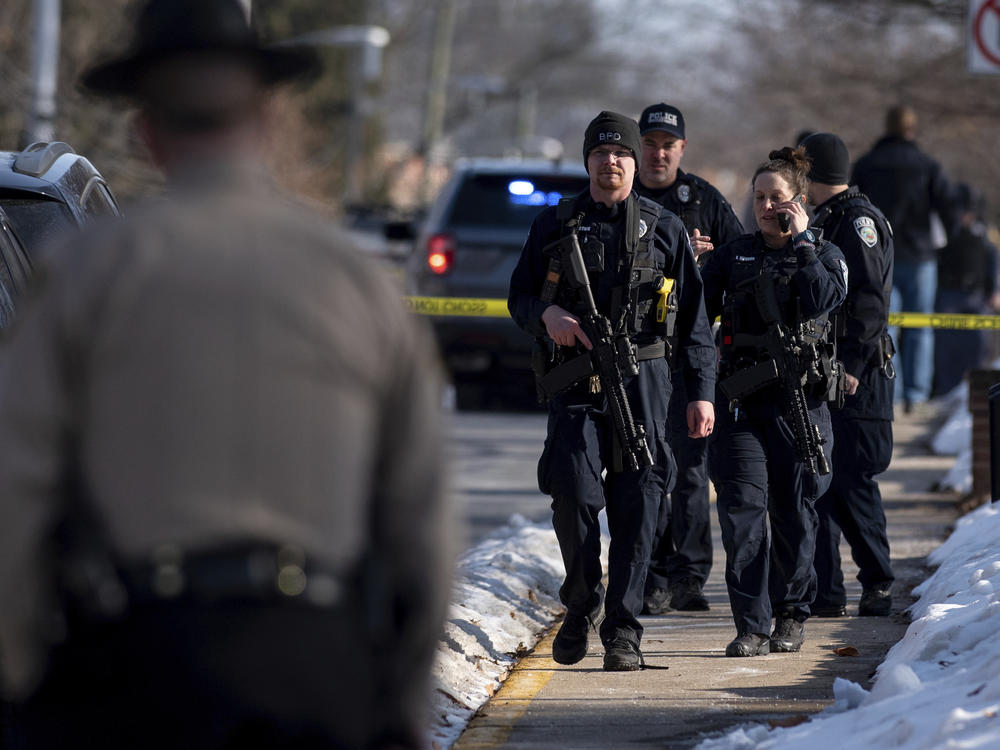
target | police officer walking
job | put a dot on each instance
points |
(682, 550)
(769, 456)
(632, 252)
(862, 427)
(220, 447)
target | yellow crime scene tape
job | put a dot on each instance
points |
(466, 306)
(945, 320)
(497, 308)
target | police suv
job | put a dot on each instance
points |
(467, 248)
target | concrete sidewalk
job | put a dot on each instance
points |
(690, 689)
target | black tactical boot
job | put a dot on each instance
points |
(788, 635)
(570, 644)
(621, 655)
(828, 610)
(686, 596)
(749, 644)
(876, 601)
(656, 602)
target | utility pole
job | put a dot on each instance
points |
(45, 70)
(437, 90)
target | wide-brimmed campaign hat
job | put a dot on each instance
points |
(169, 28)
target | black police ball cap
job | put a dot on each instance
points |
(662, 117)
(830, 164)
(168, 28)
(614, 129)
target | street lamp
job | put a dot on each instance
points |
(369, 41)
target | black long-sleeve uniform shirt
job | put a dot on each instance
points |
(670, 245)
(851, 222)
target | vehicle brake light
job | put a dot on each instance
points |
(441, 253)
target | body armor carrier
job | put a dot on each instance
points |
(749, 318)
(643, 309)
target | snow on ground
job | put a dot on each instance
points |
(938, 687)
(505, 597)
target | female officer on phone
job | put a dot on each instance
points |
(773, 290)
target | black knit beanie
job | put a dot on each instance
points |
(830, 162)
(612, 128)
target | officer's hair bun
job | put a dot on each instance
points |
(791, 163)
(796, 157)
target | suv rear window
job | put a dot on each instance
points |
(511, 201)
(37, 221)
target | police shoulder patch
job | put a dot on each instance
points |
(865, 227)
(643, 227)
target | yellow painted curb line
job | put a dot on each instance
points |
(492, 726)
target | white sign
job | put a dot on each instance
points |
(984, 36)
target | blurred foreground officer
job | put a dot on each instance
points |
(230, 421)
(770, 454)
(862, 428)
(682, 550)
(629, 249)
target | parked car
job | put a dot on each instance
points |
(468, 247)
(45, 189)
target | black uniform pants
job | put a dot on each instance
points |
(226, 675)
(766, 499)
(682, 547)
(572, 470)
(853, 505)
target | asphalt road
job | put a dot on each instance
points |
(493, 458)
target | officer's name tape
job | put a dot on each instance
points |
(497, 308)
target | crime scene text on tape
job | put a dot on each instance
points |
(467, 306)
(945, 320)
(497, 308)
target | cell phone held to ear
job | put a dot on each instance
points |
(784, 220)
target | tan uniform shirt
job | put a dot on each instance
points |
(234, 369)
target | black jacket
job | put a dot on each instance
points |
(907, 185)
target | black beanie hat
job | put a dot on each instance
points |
(613, 128)
(828, 157)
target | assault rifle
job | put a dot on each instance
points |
(611, 355)
(788, 358)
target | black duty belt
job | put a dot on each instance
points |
(259, 572)
(564, 375)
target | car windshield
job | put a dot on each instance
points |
(37, 221)
(509, 200)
